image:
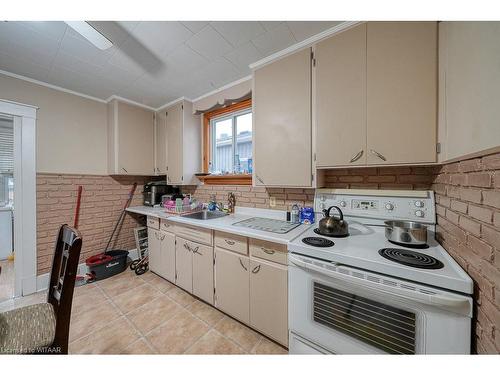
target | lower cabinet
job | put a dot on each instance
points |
(269, 299)
(232, 284)
(194, 265)
(162, 253)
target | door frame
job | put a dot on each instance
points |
(24, 117)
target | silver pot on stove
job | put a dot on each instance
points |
(406, 232)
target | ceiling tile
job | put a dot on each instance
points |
(209, 43)
(114, 31)
(243, 56)
(238, 32)
(49, 29)
(275, 40)
(270, 25)
(195, 26)
(303, 29)
(217, 73)
(184, 59)
(158, 38)
(74, 44)
(23, 67)
(65, 60)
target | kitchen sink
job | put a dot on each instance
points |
(205, 215)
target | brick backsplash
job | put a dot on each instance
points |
(103, 198)
(468, 217)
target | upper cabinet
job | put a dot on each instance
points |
(183, 143)
(340, 99)
(401, 92)
(130, 139)
(161, 143)
(282, 122)
(375, 97)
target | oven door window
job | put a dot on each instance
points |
(384, 327)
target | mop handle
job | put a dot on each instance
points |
(122, 214)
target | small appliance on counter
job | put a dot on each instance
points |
(154, 190)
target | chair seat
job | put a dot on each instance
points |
(27, 329)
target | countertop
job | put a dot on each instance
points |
(225, 224)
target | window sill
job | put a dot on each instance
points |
(227, 179)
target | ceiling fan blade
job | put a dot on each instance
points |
(92, 35)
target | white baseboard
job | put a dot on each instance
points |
(42, 281)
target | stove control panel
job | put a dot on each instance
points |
(387, 205)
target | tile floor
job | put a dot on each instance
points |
(129, 314)
(6, 280)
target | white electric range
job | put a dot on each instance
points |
(364, 294)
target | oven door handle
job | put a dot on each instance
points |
(451, 303)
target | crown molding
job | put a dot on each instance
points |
(222, 88)
(175, 101)
(304, 44)
(50, 86)
(125, 100)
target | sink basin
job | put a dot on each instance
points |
(205, 215)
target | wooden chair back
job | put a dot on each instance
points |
(62, 282)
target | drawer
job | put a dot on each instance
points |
(153, 222)
(231, 242)
(167, 226)
(275, 252)
(196, 234)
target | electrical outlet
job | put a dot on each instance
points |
(272, 201)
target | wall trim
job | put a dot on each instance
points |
(125, 100)
(175, 101)
(304, 44)
(50, 86)
(225, 87)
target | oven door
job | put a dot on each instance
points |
(351, 311)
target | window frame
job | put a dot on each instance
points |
(218, 114)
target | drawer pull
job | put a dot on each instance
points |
(256, 269)
(229, 242)
(267, 251)
(186, 246)
(242, 265)
(378, 154)
(195, 250)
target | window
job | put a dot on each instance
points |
(228, 144)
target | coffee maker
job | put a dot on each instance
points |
(154, 190)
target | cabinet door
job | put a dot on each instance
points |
(167, 255)
(154, 251)
(269, 299)
(183, 265)
(401, 92)
(174, 144)
(203, 272)
(340, 99)
(161, 143)
(232, 284)
(282, 122)
(135, 140)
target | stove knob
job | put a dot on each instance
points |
(389, 206)
(419, 204)
(342, 204)
(419, 213)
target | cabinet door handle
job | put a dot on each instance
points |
(378, 154)
(267, 251)
(356, 157)
(256, 269)
(229, 242)
(162, 238)
(260, 179)
(195, 250)
(186, 246)
(125, 170)
(242, 265)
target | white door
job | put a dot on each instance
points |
(183, 265)
(168, 255)
(203, 272)
(174, 144)
(282, 122)
(232, 284)
(154, 249)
